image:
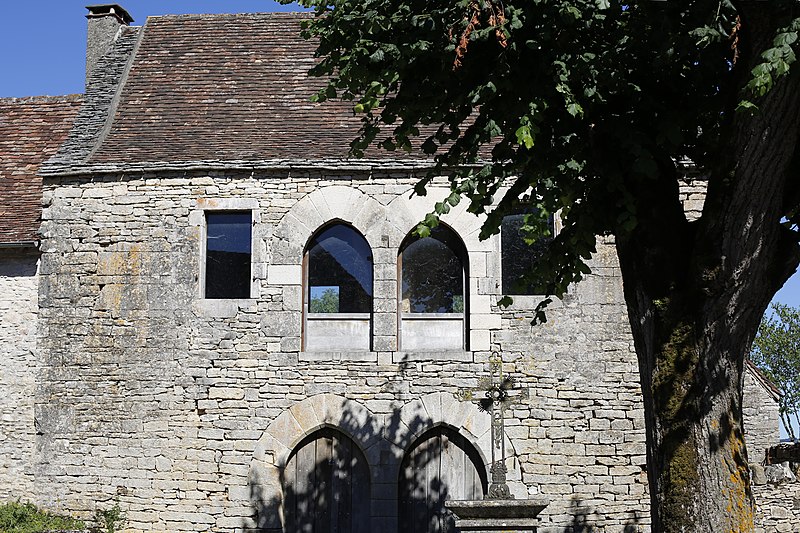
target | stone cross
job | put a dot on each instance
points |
(493, 395)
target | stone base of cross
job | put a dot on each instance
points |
(493, 395)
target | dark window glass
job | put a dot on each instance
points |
(517, 255)
(433, 274)
(339, 272)
(228, 255)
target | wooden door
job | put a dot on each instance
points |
(441, 466)
(327, 486)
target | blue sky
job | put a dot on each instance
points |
(43, 46)
(43, 43)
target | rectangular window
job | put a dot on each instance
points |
(519, 256)
(228, 252)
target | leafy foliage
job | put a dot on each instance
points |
(109, 520)
(592, 109)
(574, 106)
(18, 517)
(776, 352)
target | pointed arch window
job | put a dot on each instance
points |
(338, 290)
(433, 292)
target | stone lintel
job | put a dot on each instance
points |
(484, 516)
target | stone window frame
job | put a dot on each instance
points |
(556, 230)
(463, 317)
(197, 219)
(384, 222)
(524, 301)
(342, 317)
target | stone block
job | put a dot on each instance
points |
(284, 275)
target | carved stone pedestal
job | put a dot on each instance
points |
(497, 516)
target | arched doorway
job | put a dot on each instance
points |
(327, 486)
(442, 465)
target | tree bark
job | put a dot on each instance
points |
(696, 297)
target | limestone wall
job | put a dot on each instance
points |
(18, 309)
(178, 406)
(777, 507)
(761, 418)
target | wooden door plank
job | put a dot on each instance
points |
(360, 493)
(290, 496)
(322, 488)
(306, 481)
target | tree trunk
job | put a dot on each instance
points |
(691, 380)
(696, 295)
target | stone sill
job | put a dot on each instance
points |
(439, 355)
(397, 357)
(339, 356)
(222, 308)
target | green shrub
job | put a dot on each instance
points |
(17, 517)
(109, 520)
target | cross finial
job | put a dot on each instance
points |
(492, 395)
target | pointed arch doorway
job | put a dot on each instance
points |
(441, 465)
(327, 486)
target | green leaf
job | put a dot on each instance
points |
(431, 220)
(454, 199)
(787, 38)
(575, 109)
(524, 136)
(377, 56)
(423, 231)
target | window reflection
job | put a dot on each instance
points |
(228, 236)
(339, 272)
(433, 274)
(518, 257)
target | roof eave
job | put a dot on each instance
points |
(19, 244)
(331, 164)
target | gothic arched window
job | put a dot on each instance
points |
(433, 290)
(338, 290)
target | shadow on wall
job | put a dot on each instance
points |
(584, 521)
(330, 484)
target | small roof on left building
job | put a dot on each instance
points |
(31, 130)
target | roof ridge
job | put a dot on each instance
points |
(44, 98)
(206, 16)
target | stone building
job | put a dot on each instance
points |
(236, 328)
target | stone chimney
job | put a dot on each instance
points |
(105, 20)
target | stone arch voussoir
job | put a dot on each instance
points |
(321, 207)
(443, 409)
(309, 415)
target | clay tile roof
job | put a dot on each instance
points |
(225, 88)
(31, 130)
